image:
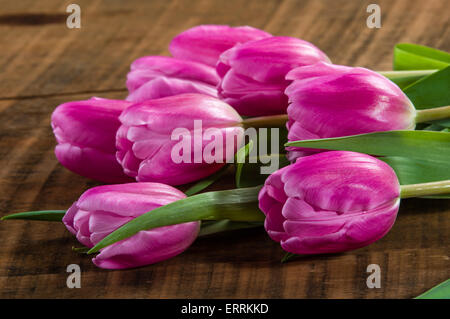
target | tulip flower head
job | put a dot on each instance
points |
(253, 74)
(330, 202)
(154, 77)
(205, 43)
(103, 209)
(331, 101)
(151, 132)
(86, 135)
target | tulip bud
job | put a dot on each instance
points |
(154, 77)
(85, 132)
(103, 209)
(253, 73)
(331, 100)
(330, 202)
(150, 135)
(205, 43)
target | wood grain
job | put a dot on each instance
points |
(44, 64)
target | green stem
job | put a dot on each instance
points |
(426, 115)
(394, 75)
(432, 114)
(266, 121)
(425, 189)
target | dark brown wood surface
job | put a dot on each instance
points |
(43, 63)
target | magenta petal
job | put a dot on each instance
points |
(103, 209)
(330, 202)
(253, 73)
(332, 101)
(148, 247)
(147, 140)
(161, 87)
(205, 43)
(86, 134)
(91, 163)
(149, 67)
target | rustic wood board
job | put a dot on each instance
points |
(44, 64)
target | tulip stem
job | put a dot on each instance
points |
(425, 189)
(432, 114)
(266, 121)
(394, 75)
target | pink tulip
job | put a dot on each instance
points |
(154, 77)
(205, 43)
(253, 73)
(331, 100)
(330, 202)
(85, 132)
(146, 147)
(103, 209)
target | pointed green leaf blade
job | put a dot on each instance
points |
(405, 78)
(431, 91)
(427, 145)
(44, 215)
(408, 56)
(441, 291)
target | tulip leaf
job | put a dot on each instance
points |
(235, 205)
(431, 91)
(287, 257)
(405, 78)
(45, 215)
(213, 227)
(444, 123)
(435, 127)
(414, 171)
(426, 145)
(441, 291)
(206, 182)
(408, 56)
(241, 155)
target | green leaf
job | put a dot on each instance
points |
(287, 257)
(206, 182)
(213, 227)
(414, 171)
(434, 127)
(241, 155)
(441, 291)
(405, 78)
(408, 56)
(431, 91)
(444, 123)
(46, 215)
(426, 145)
(236, 205)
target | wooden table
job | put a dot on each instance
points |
(43, 63)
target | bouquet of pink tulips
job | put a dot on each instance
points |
(357, 142)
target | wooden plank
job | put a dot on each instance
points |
(44, 64)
